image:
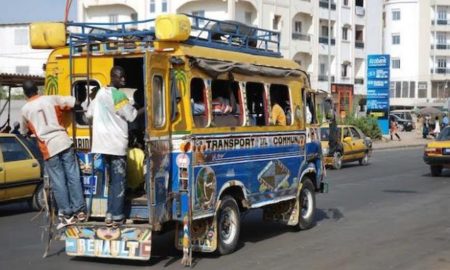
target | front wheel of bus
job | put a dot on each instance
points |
(229, 223)
(307, 203)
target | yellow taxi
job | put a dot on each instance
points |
(437, 153)
(20, 171)
(352, 145)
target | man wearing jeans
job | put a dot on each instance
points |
(110, 111)
(41, 115)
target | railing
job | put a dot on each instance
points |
(300, 36)
(226, 35)
(324, 78)
(324, 40)
(440, 22)
(359, 80)
(441, 46)
(324, 4)
(440, 71)
(359, 44)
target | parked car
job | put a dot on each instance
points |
(437, 153)
(20, 171)
(403, 124)
(353, 145)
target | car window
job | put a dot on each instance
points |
(12, 150)
(347, 133)
(444, 135)
(355, 133)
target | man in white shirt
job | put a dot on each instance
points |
(110, 111)
(42, 116)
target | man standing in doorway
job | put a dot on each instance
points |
(110, 111)
(41, 115)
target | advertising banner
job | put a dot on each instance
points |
(378, 81)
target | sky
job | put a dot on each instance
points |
(24, 11)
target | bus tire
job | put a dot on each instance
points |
(307, 203)
(228, 225)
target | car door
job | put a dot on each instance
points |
(347, 143)
(21, 169)
(359, 148)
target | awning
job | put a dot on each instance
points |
(16, 80)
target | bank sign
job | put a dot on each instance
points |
(378, 81)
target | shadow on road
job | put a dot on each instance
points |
(400, 191)
(14, 208)
(330, 213)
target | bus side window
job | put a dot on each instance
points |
(256, 103)
(281, 112)
(199, 103)
(226, 103)
(83, 96)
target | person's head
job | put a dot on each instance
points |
(29, 89)
(117, 76)
(16, 125)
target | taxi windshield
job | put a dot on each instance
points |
(444, 135)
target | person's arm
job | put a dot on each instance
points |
(24, 127)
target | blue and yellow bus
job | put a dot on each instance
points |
(227, 129)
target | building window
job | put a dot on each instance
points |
(405, 89)
(344, 72)
(395, 39)
(248, 17)
(164, 6)
(297, 26)
(392, 89)
(134, 17)
(152, 6)
(22, 69)
(412, 89)
(20, 37)
(398, 89)
(396, 15)
(344, 33)
(395, 63)
(359, 3)
(113, 18)
(324, 31)
(276, 22)
(346, 3)
(442, 13)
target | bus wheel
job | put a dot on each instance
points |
(307, 203)
(228, 222)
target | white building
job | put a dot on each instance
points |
(304, 27)
(16, 55)
(417, 36)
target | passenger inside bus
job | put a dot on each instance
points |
(198, 102)
(279, 97)
(225, 106)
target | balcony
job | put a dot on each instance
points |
(441, 46)
(324, 4)
(359, 80)
(300, 36)
(359, 44)
(324, 40)
(324, 78)
(440, 22)
(440, 71)
(360, 11)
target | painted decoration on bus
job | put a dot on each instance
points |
(203, 235)
(127, 243)
(205, 192)
(274, 177)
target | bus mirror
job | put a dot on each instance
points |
(47, 35)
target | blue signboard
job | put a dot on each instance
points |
(378, 81)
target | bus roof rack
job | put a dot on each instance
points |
(224, 35)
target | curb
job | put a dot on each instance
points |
(399, 147)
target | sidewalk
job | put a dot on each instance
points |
(408, 139)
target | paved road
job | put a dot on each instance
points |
(388, 215)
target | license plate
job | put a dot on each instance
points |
(122, 243)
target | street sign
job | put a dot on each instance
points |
(378, 81)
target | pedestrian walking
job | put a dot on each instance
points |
(40, 116)
(110, 111)
(437, 127)
(394, 129)
(445, 121)
(425, 126)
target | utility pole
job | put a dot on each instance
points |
(329, 45)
